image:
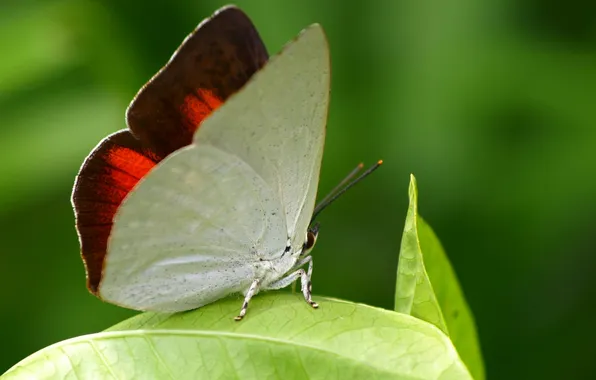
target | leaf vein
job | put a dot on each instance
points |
(158, 356)
(103, 359)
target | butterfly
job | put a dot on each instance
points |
(211, 189)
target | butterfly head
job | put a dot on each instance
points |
(311, 239)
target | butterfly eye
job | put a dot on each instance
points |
(311, 239)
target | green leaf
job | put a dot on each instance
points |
(457, 313)
(280, 338)
(427, 287)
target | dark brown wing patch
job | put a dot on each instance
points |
(212, 63)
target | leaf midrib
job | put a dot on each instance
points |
(218, 334)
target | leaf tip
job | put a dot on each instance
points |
(413, 189)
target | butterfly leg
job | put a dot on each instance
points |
(301, 262)
(305, 283)
(251, 292)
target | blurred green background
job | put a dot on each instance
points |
(490, 104)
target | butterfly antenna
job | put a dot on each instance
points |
(349, 181)
(342, 183)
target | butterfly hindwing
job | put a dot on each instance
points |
(191, 232)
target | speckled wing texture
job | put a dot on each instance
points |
(197, 226)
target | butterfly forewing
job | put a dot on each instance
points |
(281, 130)
(214, 62)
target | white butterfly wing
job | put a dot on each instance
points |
(196, 227)
(278, 126)
(190, 233)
